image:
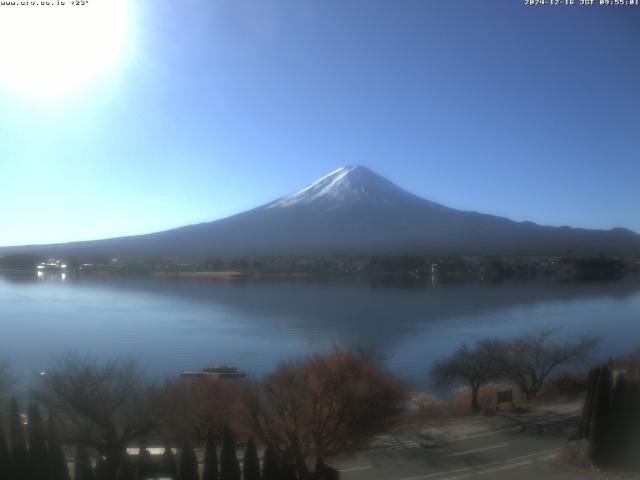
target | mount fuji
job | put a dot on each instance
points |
(354, 210)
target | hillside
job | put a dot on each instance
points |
(354, 210)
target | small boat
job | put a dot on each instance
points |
(215, 372)
(221, 369)
(226, 375)
(198, 374)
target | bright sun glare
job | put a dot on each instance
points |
(47, 50)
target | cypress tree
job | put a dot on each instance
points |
(101, 468)
(168, 467)
(626, 424)
(270, 465)
(210, 469)
(617, 432)
(229, 468)
(19, 452)
(587, 409)
(598, 431)
(112, 464)
(319, 471)
(324, 472)
(37, 444)
(126, 471)
(287, 472)
(331, 473)
(251, 464)
(188, 463)
(5, 457)
(145, 468)
(58, 469)
(82, 468)
(633, 400)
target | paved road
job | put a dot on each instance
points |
(505, 446)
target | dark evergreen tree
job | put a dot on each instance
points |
(37, 444)
(288, 472)
(210, 470)
(599, 428)
(319, 470)
(330, 473)
(127, 470)
(188, 463)
(168, 466)
(324, 472)
(625, 424)
(101, 468)
(617, 431)
(633, 414)
(229, 467)
(145, 468)
(613, 426)
(58, 469)
(5, 457)
(251, 464)
(82, 468)
(19, 452)
(587, 409)
(270, 465)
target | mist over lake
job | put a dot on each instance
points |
(175, 325)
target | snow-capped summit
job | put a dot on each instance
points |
(347, 186)
(353, 210)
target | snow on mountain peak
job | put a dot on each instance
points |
(346, 185)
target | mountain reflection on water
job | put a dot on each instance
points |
(171, 325)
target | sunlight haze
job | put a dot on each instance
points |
(48, 51)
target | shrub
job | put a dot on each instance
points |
(565, 386)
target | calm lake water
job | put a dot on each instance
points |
(174, 325)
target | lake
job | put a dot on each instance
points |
(175, 325)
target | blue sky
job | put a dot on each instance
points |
(218, 106)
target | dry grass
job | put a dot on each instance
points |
(560, 389)
(564, 387)
(576, 455)
(429, 407)
(630, 365)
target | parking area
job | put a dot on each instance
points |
(506, 445)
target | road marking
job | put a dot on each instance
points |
(498, 469)
(477, 450)
(356, 469)
(491, 470)
(490, 464)
(519, 427)
(486, 434)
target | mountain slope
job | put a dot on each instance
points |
(354, 210)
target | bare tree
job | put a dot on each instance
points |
(473, 366)
(630, 365)
(310, 409)
(191, 409)
(533, 357)
(103, 405)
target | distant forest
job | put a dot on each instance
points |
(411, 268)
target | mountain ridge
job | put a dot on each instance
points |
(353, 210)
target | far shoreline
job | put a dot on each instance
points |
(230, 274)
